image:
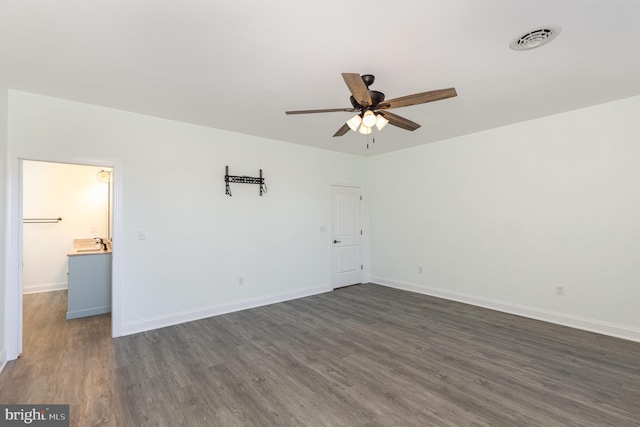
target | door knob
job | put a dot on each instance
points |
(336, 241)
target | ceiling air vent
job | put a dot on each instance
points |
(535, 38)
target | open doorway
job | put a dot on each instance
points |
(109, 227)
(61, 202)
(67, 249)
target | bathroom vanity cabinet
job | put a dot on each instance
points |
(89, 281)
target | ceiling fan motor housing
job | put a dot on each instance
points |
(376, 98)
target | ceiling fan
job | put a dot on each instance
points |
(371, 107)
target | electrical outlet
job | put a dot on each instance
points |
(240, 281)
(420, 270)
(560, 290)
(142, 235)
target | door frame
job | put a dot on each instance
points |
(14, 257)
(363, 260)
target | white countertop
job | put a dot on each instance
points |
(88, 247)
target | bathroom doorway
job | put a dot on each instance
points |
(60, 202)
(105, 174)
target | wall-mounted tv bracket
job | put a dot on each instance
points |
(244, 180)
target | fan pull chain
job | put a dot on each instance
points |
(373, 142)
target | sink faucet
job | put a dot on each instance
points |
(101, 241)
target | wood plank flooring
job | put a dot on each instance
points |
(361, 356)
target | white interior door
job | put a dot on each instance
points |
(346, 268)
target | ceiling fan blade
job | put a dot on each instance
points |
(344, 129)
(327, 110)
(418, 98)
(357, 88)
(400, 122)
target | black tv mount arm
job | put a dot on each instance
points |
(244, 180)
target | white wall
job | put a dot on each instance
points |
(198, 240)
(52, 190)
(500, 218)
(3, 197)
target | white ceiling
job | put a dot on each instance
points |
(238, 65)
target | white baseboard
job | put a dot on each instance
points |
(3, 359)
(46, 287)
(129, 328)
(604, 328)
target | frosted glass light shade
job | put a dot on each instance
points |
(381, 122)
(354, 122)
(365, 130)
(369, 119)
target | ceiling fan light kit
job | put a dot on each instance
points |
(365, 130)
(367, 122)
(381, 122)
(371, 107)
(354, 122)
(369, 119)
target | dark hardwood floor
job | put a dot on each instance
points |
(361, 356)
